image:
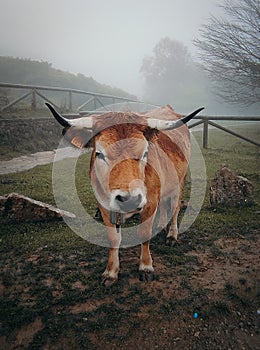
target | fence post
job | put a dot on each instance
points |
(70, 101)
(33, 103)
(205, 133)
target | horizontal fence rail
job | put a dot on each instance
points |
(95, 99)
(34, 90)
(206, 121)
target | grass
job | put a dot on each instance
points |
(47, 269)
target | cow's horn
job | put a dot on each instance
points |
(171, 124)
(84, 122)
(63, 121)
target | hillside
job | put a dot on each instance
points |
(26, 71)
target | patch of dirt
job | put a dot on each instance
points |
(23, 336)
(87, 306)
(206, 298)
(235, 261)
(26, 333)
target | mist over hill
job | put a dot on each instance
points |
(26, 71)
(31, 72)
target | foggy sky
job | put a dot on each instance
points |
(105, 39)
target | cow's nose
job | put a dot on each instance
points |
(127, 202)
(123, 198)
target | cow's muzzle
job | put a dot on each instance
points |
(126, 202)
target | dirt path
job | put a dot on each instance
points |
(27, 162)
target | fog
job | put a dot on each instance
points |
(106, 40)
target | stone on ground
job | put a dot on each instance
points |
(16, 208)
(229, 189)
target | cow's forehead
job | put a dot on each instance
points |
(116, 144)
(120, 132)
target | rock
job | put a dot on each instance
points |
(229, 189)
(16, 208)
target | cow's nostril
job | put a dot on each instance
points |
(128, 202)
(122, 199)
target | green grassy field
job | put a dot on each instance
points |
(52, 298)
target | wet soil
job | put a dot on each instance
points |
(204, 298)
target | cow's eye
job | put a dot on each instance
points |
(145, 155)
(100, 155)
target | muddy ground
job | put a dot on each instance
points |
(53, 298)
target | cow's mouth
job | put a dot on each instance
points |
(118, 219)
(124, 205)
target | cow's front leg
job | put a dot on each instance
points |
(110, 275)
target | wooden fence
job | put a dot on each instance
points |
(97, 99)
(207, 121)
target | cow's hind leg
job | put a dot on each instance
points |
(173, 231)
(163, 218)
(146, 270)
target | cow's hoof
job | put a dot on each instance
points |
(146, 276)
(108, 281)
(171, 241)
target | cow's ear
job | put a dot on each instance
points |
(78, 136)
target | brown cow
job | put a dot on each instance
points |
(138, 162)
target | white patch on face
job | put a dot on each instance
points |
(145, 152)
(100, 153)
(101, 162)
(101, 170)
(144, 157)
(136, 192)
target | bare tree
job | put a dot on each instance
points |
(229, 49)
